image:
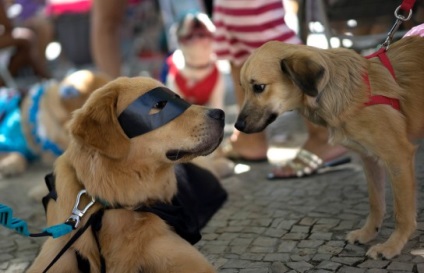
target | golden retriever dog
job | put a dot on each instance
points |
(36, 126)
(356, 99)
(125, 144)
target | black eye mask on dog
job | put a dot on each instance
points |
(136, 119)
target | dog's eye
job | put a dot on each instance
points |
(258, 88)
(160, 104)
(158, 107)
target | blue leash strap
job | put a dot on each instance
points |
(20, 226)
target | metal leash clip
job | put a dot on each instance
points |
(77, 214)
(399, 20)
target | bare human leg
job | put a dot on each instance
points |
(107, 16)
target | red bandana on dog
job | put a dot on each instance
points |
(198, 93)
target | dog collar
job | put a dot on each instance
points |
(135, 120)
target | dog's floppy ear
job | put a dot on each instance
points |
(96, 124)
(304, 72)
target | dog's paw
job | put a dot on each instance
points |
(361, 236)
(384, 251)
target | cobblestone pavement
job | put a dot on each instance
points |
(296, 225)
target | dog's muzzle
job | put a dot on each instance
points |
(136, 120)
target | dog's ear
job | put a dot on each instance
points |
(96, 124)
(304, 72)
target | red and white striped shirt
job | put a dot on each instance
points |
(244, 25)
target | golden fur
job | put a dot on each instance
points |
(129, 172)
(54, 112)
(328, 88)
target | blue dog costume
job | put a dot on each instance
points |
(12, 138)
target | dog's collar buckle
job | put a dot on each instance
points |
(77, 214)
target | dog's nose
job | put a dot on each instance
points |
(217, 114)
(240, 125)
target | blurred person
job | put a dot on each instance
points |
(23, 41)
(241, 27)
(32, 15)
(106, 20)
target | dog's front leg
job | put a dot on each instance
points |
(399, 161)
(375, 176)
(66, 264)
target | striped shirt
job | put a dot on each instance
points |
(244, 25)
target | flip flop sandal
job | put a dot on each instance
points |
(310, 164)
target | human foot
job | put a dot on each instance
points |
(245, 147)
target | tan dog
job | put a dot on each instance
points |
(127, 171)
(330, 88)
(44, 112)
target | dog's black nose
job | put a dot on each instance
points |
(240, 125)
(217, 114)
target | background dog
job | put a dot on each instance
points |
(192, 69)
(125, 144)
(34, 126)
(337, 88)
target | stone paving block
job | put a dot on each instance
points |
(5, 257)
(241, 241)
(300, 266)
(318, 271)
(310, 243)
(274, 232)
(215, 249)
(262, 249)
(255, 270)
(265, 241)
(374, 264)
(17, 267)
(236, 249)
(321, 235)
(307, 221)
(295, 236)
(4, 265)
(298, 258)
(252, 257)
(321, 257)
(322, 228)
(376, 270)
(346, 225)
(277, 257)
(420, 268)
(256, 230)
(347, 260)
(237, 264)
(348, 269)
(300, 229)
(229, 271)
(327, 249)
(279, 267)
(287, 246)
(400, 266)
(283, 223)
(351, 250)
(329, 265)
